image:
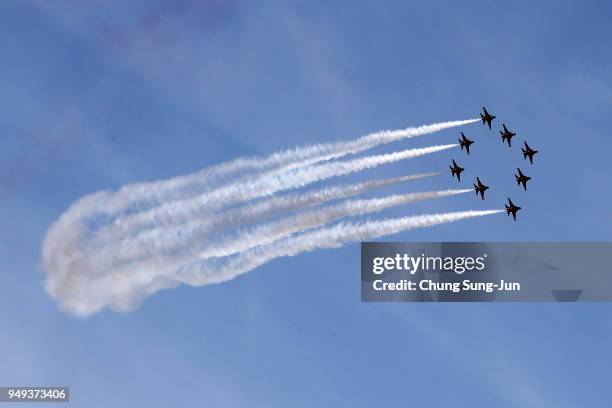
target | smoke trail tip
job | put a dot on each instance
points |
(486, 212)
(418, 176)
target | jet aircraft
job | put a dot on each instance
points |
(486, 117)
(456, 170)
(506, 134)
(528, 152)
(465, 142)
(522, 179)
(480, 188)
(511, 209)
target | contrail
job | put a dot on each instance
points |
(332, 237)
(171, 242)
(65, 242)
(151, 193)
(290, 202)
(267, 233)
(133, 198)
(113, 248)
(172, 212)
(82, 288)
(248, 213)
(137, 197)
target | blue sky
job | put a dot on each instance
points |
(96, 97)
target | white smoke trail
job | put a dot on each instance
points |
(105, 205)
(64, 245)
(203, 273)
(195, 242)
(84, 289)
(181, 211)
(151, 193)
(290, 202)
(200, 227)
(145, 210)
(267, 233)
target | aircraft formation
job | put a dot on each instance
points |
(506, 136)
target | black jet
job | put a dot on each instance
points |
(512, 209)
(506, 135)
(465, 142)
(528, 152)
(480, 188)
(522, 179)
(486, 117)
(456, 170)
